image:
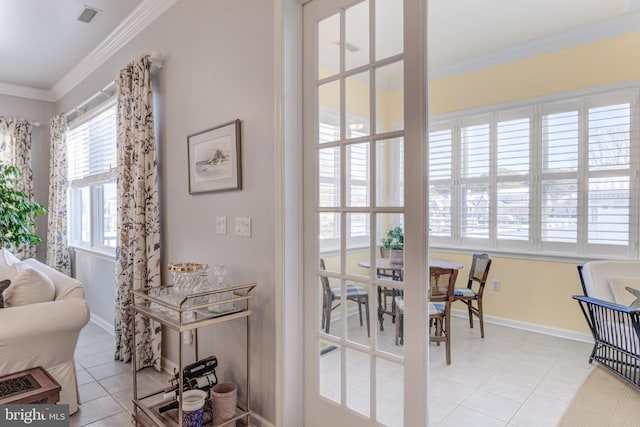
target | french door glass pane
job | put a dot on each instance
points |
(358, 381)
(389, 266)
(329, 237)
(329, 294)
(357, 105)
(358, 232)
(329, 112)
(357, 35)
(389, 24)
(359, 322)
(357, 175)
(329, 177)
(329, 371)
(389, 393)
(329, 46)
(390, 172)
(390, 97)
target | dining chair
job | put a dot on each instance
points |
(480, 265)
(385, 292)
(442, 282)
(355, 293)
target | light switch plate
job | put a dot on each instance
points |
(243, 227)
(221, 225)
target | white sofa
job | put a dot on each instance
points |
(610, 306)
(46, 333)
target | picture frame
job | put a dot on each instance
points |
(215, 159)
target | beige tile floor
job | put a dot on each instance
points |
(512, 378)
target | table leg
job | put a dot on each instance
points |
(380, 309)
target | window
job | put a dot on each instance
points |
(553, 177)
(92, 180)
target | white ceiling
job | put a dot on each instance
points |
(41, 41)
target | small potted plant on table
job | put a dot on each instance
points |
(394, 241)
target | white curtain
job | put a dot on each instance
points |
(138, 251)
(15, 149)
(57, 246)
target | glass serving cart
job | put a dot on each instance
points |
(191, 312)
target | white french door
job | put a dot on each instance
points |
(364, 97)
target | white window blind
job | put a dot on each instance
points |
(512, 169)
(474, 177)
(556, 177)
(92, 148)
(440, 181)
(609, 187)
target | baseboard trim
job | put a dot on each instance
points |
(530, 327)
(102, 324)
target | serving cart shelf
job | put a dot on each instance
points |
(186, 316)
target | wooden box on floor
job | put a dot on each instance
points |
(34, 386)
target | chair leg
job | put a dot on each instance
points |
(380, 309)
(447, 321)
(327, 316)
(366, 307)
(324, 309)
(470, 313)
(400, 329)
(481, 318)
(359, 301)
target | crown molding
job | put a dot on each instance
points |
(139, 18)
(26, 92)
(590, 33)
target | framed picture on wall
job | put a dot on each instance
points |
(214, 159)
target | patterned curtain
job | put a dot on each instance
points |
(57, 247)
(15, 148)
(138, 251)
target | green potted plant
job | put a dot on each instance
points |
(394, 241)
(17, 211)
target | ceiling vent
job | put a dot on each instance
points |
(351, 47)
(87, 14)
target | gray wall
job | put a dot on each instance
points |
(35, 111)
(218, 66)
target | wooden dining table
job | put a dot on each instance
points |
(397, 274)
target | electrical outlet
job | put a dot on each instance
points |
(495, 285)
(221, 225)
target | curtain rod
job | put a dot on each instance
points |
(109, 90)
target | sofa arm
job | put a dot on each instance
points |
(43, 334)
